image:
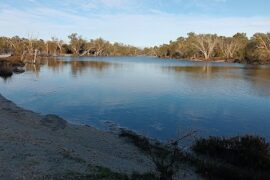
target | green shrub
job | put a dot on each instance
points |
(251, 152)
(242, 158)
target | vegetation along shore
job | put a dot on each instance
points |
(205, 47)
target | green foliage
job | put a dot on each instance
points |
(258, 49)
(237, 48)
(78, 46)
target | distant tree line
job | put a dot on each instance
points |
(238, 48)
(77, 46)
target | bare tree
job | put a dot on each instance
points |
(59, 43)
(32, 47)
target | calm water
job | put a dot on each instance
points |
(155, 97)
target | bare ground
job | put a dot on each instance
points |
(33, 146)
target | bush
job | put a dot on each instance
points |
(247, 151)
(166, 157)
(241, 157)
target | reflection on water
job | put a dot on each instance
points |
(205, 71)
(258, 76)
(77, 67)
(152, 96)
(202, 69)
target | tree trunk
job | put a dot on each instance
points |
(35, 55)
(22, 56)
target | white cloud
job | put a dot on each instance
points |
(138, 29)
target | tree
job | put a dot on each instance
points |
(59, 43)
(76, 43)
(228, 47)
(242, 41)
(258, 48)
(205, 43)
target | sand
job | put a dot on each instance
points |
(34, 146)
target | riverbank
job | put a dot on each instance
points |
(215, 60)
(221, 60)
(36, 146)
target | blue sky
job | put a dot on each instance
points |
(136, 22)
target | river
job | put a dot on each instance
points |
(159, 98)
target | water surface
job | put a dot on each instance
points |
(159, 98)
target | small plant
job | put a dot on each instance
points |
(166, 157)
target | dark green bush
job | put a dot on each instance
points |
(251, 152)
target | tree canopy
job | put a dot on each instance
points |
(238, 48)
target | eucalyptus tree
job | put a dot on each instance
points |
(77, 43)
(258, 49)
(51, 47)
(194, 46)
(206, 43)
(242, 42)
(228, 47)
(59, 43)
(263, 41)
(100, 46)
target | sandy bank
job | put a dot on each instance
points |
(33, 146)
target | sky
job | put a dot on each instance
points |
(136, 22)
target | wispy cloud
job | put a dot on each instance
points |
(137, 25)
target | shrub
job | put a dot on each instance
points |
(166, 157)
(241, 157)
(247, 151)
